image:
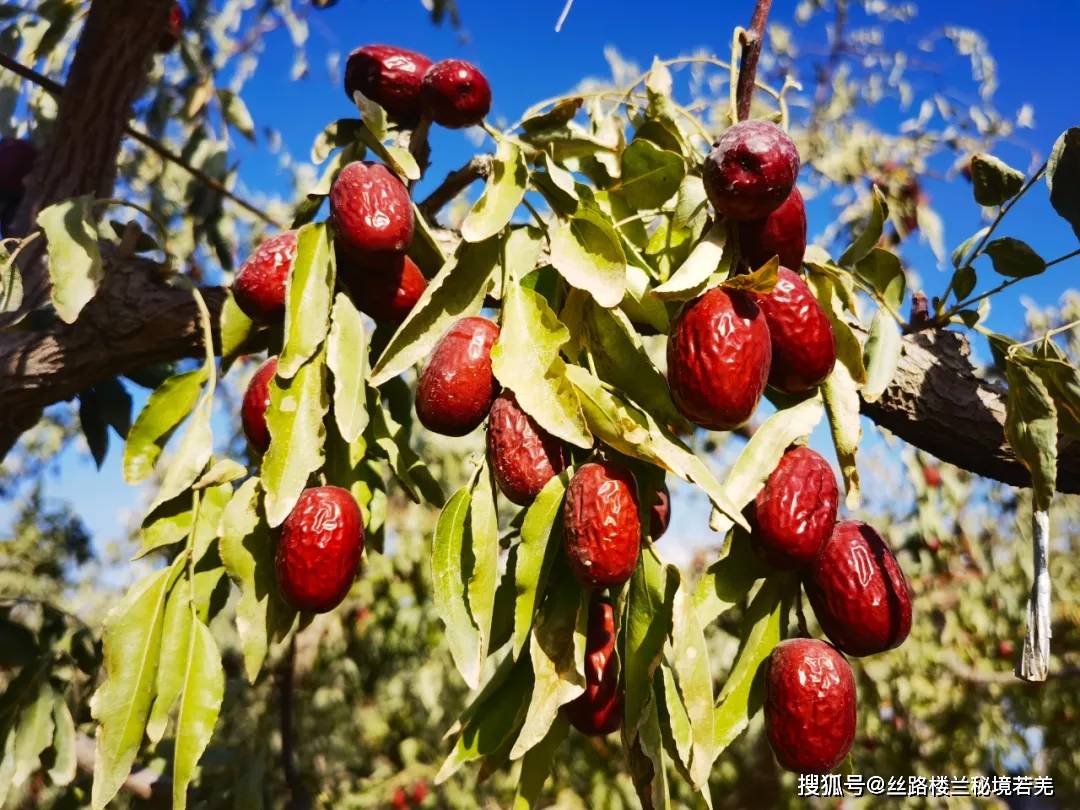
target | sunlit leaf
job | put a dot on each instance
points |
(75, 269)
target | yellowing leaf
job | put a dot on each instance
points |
(588, 253)
(502, 195)
(75, 268)
(346, 356)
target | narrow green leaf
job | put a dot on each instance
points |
(759, 282)
(1014, 258)
(1062, 380)
(167, 407)
(456, 292)
(881, 269)
(841, 397)
(868, 238)
(295, 419)
(707, 259)
(391, 441)
(526, 360)
(650, 600)
(236, 329)
(541, 538)
(11, 286)
(650, 175)
(675, 714)
(587, 252)
(65, 764)
(690, 660)
(132, 646)
(336, 135)
(963, 282)
(191, 456)
(727, 581)
(175, 637)
(650, 778)
(849, 351)
(558, 116)
(1031, 429)
(960, 256)
(994, 181)
(483, 542)
(883, 350)
(203, 690)
(1063, 177)
(536, 765)
(7, 762)
(222, 471)
(449, 586)
(75, 268)
(347, 357)
(35, 733)
(502, 195)
(308, 291)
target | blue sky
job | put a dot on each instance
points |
(525, 60)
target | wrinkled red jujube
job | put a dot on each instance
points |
(389, 76)
(598, 711)
(794, 513)
(522, 455)
(253, 408)
(260, 283)
(803, 345)
(457, 386)
(602, 526)
(751, 170)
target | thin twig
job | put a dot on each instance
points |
(55, 88)
(752, 41)
(455, 182)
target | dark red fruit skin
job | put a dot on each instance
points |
(598, 711)
(523, 456)
(809, 705)
(253, 407)
(389, 76)
(319, 549)
(603, 529)
(456, 94)
(794, 513)
(17, 158)
(173, 31)
(259, 286)
(660, 513)
(388, 292)
(932, 476)
(803, 345)
(782, 233)
(751, 170)
(457, 387)
(371, 211)
(718, 358)
(858, 592)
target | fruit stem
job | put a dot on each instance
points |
(752, 41)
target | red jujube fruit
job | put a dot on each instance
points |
(389, 76)
(457, 387)
(371, 211)
(782, 233)
(718, 358)
(456, 94)
(803, 345)
(602, 526)
(523, 456)
(809, 705)
(794, 513)
(260, 283)
(319, 549)
(858, 592)
(751, 170)
(386, 292)
(598, 711)
(660, 514)
(253, 408)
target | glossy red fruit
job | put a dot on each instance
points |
(253, 408)
(523, 456)
(782, 233)
(751, 170)
(794, 513)
(660, 514)
(388, 291)
(803, 345)
(598, 711)
(371, 211)
(319, 549)
(259, 286)
(603, 530)
(389, 76)
(718, 357)
(809, 705)
(174, 29)
(456, 388)
(858, 592)
(456, 94)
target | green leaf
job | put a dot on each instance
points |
(537, 763)
(690, 661)
(960, 256)
(482, 546)
(622, 424)
(175, 636)
(236, 329)
(309, 287)
(587, 252)
(11, 287)
(247, 551)
(93, 425)
(650, 600)
(557, 651)
(502, 195)
(400, 160)
(849, 351)
(761, 281)
(691, 204)
(649, 763)
(706, 260)
(994, 181)
(297, 434)
(868, 238)
(169, 523)
(203, 690)
(223, 471)
(557, 185)
(650, 175)
(841, 397)
(1062, 380)
(674, 714)
(235, 112)
(75, 268)
(727, 581)
(35, 732)
(450, 584)
(558, 116)
(456, 292)
(743, 691)
(191, 456)
(391, 441)
(883, 350)
(1014, 258)
(541, 539)
(132, 645)
(1063, 177)
(1031, 429)
(963, 282)
(347, 357)
(65, 764)
(881, 269)
(526, 360)
(167, 407)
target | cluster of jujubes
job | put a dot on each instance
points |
(372, 215)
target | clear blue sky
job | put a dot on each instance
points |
(1035, 44)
